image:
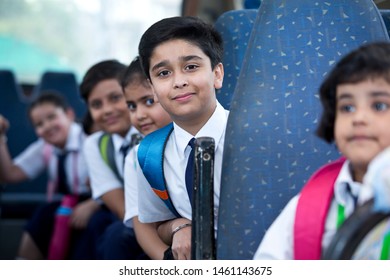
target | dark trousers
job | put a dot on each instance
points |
(119, 243)
(41, 225)
(109, 239)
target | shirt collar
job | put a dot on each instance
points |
(341, 191)
(73, 142)
(214, 128)
(118, 140)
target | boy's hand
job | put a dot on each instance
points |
(4, 125)
(177, 234)
(82, 213)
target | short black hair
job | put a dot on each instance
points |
(104, 70)
(369, 61)
(87, 123)
(134, 74)
(49, 97)
(191, 29)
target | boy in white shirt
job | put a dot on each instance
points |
(181, 56)
(105, 152)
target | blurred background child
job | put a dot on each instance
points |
(58, 151)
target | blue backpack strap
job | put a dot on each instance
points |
(150, 150)
(106, 148)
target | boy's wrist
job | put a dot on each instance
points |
(180, 227)
(177, 222)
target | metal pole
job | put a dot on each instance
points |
(203, 236)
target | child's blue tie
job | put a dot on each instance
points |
(62, 185)
(190, 169)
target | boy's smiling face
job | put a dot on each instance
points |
(108, 108)
(184, 82)
(362, 125)
(52, 123)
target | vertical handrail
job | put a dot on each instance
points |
(203, 235)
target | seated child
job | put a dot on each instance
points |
(146, 115)
(105, 153)
(59, 135)
(181, 56)
(356, 114)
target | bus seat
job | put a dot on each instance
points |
(270, 147)
(16, 200)
(251, 4)
(13, 107)
(235, 27)
(65, 83)
(386, 18)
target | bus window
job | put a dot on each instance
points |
(71, 35)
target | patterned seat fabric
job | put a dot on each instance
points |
(386, 19)
(270, 147)
(235, 27)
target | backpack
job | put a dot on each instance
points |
(47, 152)
(107, 151)
(52, 183)
(150, 150)
(312, 210)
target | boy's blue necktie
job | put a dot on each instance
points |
(125, 150)
(62, 185)
(190, 169)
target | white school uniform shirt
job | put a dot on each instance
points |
(131, 187)
(33, 160)
(278, 242)
(102, 178)
(152, 208)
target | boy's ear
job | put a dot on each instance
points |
(70, 113)
(218, 75)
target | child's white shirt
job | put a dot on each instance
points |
(151, 208)
(34, 160)
(278, 242)
(131, 187)
(103, 179)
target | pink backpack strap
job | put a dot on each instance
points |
(312, 210)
